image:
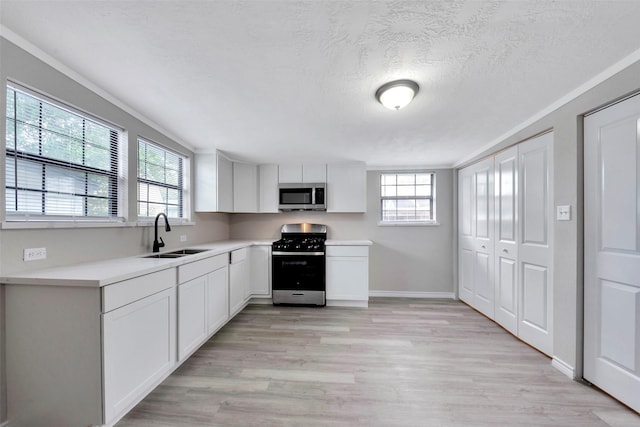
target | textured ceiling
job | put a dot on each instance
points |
(278, 81)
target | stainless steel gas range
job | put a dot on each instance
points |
(298, 265)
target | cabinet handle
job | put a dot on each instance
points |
(505, 251)
(483, 247)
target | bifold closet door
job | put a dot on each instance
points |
(612, 250)
(535, 254)
(506, 239)
(466, 233)
(483, 239)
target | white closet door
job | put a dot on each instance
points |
(466, 240)
(612, 251)
(483, 224)
(506, 236)
(535, 311)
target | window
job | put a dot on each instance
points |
(161, 177)
(60, 163)
(407, 197)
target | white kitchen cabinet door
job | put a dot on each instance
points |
(239, 276)
(268, 189)
(314, 173)
(225, 184)
(346, 187)
(483, 296)
(213, 183)
(506, 237)
(245, 187)
(217, 299)
(347, 272)
(139, 344)
(192, 322)
(290, 173)
(612, 251)
(260, 284)
(535, 254)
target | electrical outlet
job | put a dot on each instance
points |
(183, 237)
(33, 254)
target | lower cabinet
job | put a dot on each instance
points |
(239, 280)
(217, 299)
(192, 315)
(139, 349)
(202, 302)
(260, 285)
(348, 275)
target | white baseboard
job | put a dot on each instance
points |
(402, 294)
(563, 367)
(257, 300)
(347, 303)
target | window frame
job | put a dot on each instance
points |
(185, 207)
(414, 222)
(116, 198)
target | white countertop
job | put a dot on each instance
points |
(348, 242)
(102, 273)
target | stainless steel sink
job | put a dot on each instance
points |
(188, 251)
(169, 255)
(176, 254)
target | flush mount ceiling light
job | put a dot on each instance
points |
(397, 94)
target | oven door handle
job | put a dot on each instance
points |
(277, 253)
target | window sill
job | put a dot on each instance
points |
(408, 224)
(28, 225)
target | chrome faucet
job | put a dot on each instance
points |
(159, 244)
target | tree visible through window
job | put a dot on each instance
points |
(59, 162)
(160, 181)
(407, 197)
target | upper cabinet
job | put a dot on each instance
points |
(268, 188)
(224, 185)
(213, 183)
(298, 173)
(245, 187)
(346, 187)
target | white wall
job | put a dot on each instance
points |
(402, 259)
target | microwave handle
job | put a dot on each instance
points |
(313, 195)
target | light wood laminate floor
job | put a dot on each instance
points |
(401, 362)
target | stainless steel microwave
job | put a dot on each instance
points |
(303, 197)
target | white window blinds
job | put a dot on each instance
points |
(60, 163)
(160, 181)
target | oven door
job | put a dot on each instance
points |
(298, 278)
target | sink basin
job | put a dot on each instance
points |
(188, 251)
(169, 255)
(176, 254)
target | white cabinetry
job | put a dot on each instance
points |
(245, 187)
(314, 173)
(86, 355)
(505, 253)
(346, 187)
(139, 349)
(239, 277)
(348, 275)
(260, 257)
(202, 302)
(268, 188)
(297, 173)
(213, 183)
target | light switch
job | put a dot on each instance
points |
(563, 212)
